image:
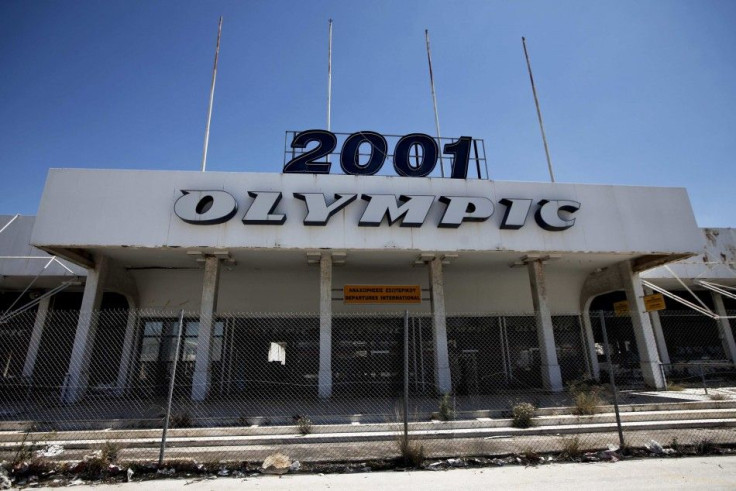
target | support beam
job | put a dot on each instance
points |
(551, 375)
(202, 374)
(724, 328)
(75, 383)
(664, 355)
(442, 376)
(645, 340)
(126, 356)
(325, 326)
(32, 353)
(595, 369)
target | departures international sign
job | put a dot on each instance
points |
(380, 294)
(211, 207)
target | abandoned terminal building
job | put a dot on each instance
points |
(502, 282)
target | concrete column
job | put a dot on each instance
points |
(645, 341)
(325, 325)
(202, 374)
(32, 353)
(126, 356)
(551, 375)
(724, 328)
(442, 376)
(75, 383)
(664, 355)
(590, 342)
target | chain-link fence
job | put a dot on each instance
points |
(244, 386)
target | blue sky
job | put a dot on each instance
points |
(632, 92)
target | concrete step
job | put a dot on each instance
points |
(376, 436)
(356, 428)
(482, 427)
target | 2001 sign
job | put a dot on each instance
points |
(425, 159)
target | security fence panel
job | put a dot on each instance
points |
(477, 355)
(522, 349)
(262, 390)
(367, 356)
(691, 336)
(572, 354)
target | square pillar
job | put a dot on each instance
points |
(664, 355)
(32, 353)
(595, 369)
(325, 326)
(75, 383)
(127, 352)
(551, 375)
(202, 376)
(442, 376)
(724, 328)
(645, 340)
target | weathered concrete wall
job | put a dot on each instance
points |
(717, 259)
(15, 241)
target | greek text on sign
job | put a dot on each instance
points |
(364, 294)
(621, 308)
(655, 301)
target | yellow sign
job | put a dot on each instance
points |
(655, 301)
(362, 294)
(621, 308)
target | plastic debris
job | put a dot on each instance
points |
(654, 447)
(129, 474)
(295, 466)
(5, 482)
(50, 451)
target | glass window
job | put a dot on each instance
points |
(153, 328)
(192, 329)
(149, 350)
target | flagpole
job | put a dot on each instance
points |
(329, 77)
(539, 112)
(212, 98)
(434, 101)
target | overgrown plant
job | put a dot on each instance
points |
(445, 412)
(675, 445)
(586, 394)
(411, 451)
(110, 452)
(705, 447)
(522, 415)
(571, 448)
(25, 451)
(675, 387)
(304, 425)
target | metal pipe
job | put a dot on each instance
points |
(414, 351)
(477, 161)
(171, 392)
(434, 101)
(702, 377)
(421, 352)
(212, 98)
(8, 224)
(611, 379)
(329, 77)
(406, 376)
(539, 112)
